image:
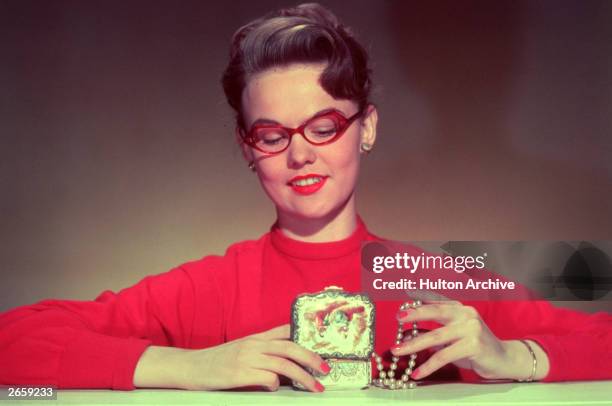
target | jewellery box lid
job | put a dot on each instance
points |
(334, 323)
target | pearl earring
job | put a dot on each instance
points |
(367, 148)
(252, 166)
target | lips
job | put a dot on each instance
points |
(307, 184)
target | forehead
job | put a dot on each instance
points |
(289, 94)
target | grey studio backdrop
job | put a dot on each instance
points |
(118, 159)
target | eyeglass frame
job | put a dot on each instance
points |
(249, 138)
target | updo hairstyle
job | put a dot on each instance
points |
(308, 33)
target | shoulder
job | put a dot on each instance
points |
(220, 276)
(248, 250)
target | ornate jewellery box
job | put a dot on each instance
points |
(339, 326)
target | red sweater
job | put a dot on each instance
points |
(97, 344)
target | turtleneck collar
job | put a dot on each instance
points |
(319, 250)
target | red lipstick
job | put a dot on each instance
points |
(304, 184)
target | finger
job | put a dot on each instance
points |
(285, 367)
(258, 377)
(276, 333)
(450, 354)
(437, 312)
(443, 302)
(438, 337)
(441, 313)
(297, 353)
(427, 296)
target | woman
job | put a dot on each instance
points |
(299, 83)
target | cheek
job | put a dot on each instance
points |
(348, 164)
(270, 169)
(346, 159)
(272, 175)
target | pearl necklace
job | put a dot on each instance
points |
(386, 379)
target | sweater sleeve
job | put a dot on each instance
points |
(95, 344)
(577, 343)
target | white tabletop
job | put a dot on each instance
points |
(524, 394)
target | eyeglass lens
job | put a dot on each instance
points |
(318, 130)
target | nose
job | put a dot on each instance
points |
(300, 152)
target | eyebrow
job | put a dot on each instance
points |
(317, 114)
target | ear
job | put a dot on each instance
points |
(247, 152)
(368, 125)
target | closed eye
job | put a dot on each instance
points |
(272, 142)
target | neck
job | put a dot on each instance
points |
(336, 226)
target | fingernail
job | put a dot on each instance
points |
(402, 314)
(396, 348)
(415, 374)
(319, 387)
(324, 367)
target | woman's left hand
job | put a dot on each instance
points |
(464, 340)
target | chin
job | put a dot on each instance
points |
(322, 212)
(312, 214)
(322, 208)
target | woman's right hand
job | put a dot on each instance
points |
(255, 360)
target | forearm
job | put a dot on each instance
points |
(162, 367)
(44, 343)
(520, 363)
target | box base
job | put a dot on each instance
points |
(345, 374)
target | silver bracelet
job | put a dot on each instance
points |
(535, 362)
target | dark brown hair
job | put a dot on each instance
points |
(308, 33)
